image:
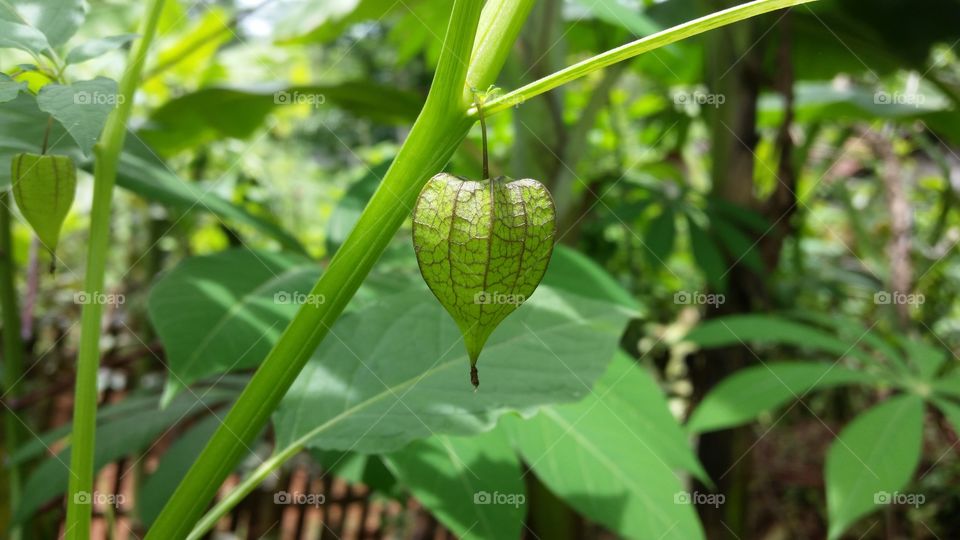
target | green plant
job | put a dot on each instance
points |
(441, 126)
(877, 453)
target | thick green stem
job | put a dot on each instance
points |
(634, 48)
(12, 351)
(107, 154)
(437, 133)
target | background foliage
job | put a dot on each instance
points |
(747, 328)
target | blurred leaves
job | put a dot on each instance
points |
(49, 23)
(89, 50)
(745, 395)
(212, 114)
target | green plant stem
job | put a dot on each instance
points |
(634, 48)
(12, 351)
(435, 135)
(107, 154)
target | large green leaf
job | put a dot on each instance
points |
(873, 457)
(473, 485)
(612, 457)
(9, 88)
(576, 273)
(770, 330)
(116, 438)
(223, 312)
(82, 107)
(20, 36)
(749, 392)
(397, 371)
(214, 113)
(22, 126)
(56, 20)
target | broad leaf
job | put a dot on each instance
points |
(98, 47)
(22, 127)
(397, 371)
(82, 108)
(873, 457)
(10, 88)
(926, 358)
(605, 457)
(770, 330)
(949, 385)
(951, 411)
(225, 311)
(215, 113)
(473, 485)
(20, 36)
(576, 273)
(746, 394)
(57, 20)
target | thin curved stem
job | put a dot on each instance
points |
(634, 48)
